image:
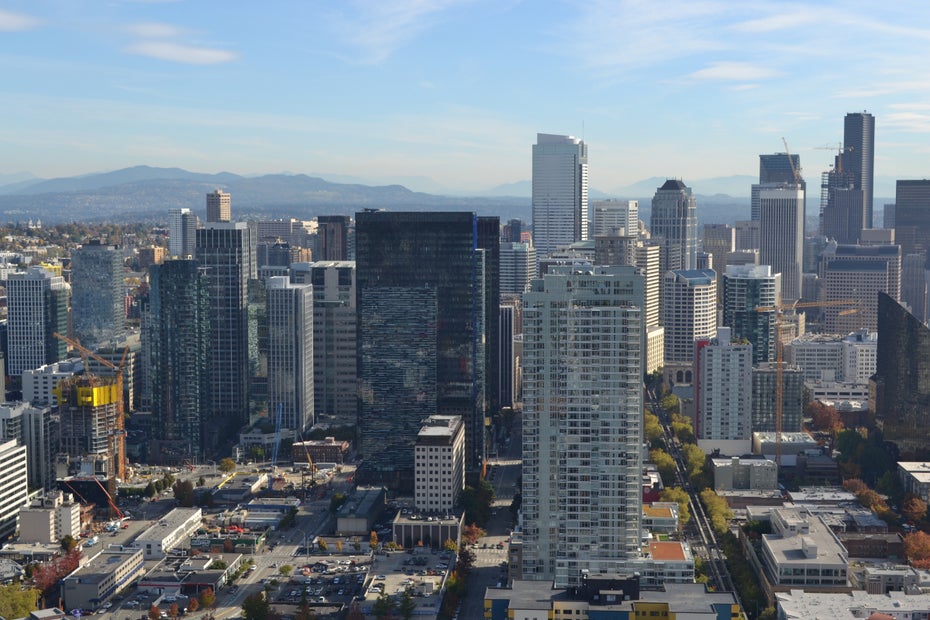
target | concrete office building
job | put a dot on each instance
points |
(774, 169)
(219, 206)
(182, 232)
(673, 225)
(37, 308)
(98, 306)
(35, 428)
(740, 473)
(168, 533)
(719, 240)
(290, 353)
(764, 382)
(583, 450)
(49, 519)
(689, 310)
(517, 267)
(39, 383)
(610, 216)
(107, 574)
(13, 484)
(723, 389)
(335, 312)
(857, 273)
(560, 192)
(746, 289)
(439, 464)
(227, 254)
(781, 236)
(912, 216)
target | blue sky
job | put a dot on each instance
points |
(456, 90)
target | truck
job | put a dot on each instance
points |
(93, 540)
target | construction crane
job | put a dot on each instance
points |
(839, 154)
(779, 363)
(119, 433)
(795, 172)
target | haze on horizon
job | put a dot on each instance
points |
(455, 91)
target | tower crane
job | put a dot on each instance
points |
(795, 172)
(778, 311)
(119, 433)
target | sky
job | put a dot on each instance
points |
(454, 91)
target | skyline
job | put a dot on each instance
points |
(456, 91)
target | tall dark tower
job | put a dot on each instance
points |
(334, 237)
(859, 157)
(227, 252)
(421, 336)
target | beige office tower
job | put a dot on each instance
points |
(219, 206)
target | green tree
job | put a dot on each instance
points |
(670, 403)
(652, 430)
(201, 481)
(337, 500)
(256, 607)
(383, 607)
(68, 544)
(678, 495)
(322, 545)
(406, 606)
(694, 458)
(666, 465)
(207, 598)
(286, 570)
(227, 465)
(184, 493)
(682, 428)
(16, 602)
(477, 502)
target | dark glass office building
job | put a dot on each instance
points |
(901, 384)
(421, 290)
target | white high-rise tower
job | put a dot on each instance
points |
(560, 192)
(582, 422)
(781, 236)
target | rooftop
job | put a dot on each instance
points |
(798, 604)
(170, 522)
(672, 551)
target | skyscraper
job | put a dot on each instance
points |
(560, 192)
(689, 301)
(176, 337)
(421, 335)
(290, 352)
(673, 224)
(914, 286)
(98, 311)
(764, 411)
(781, 236)
(37, 307)
(610, 215)
(857, 273)
(227, 254)
(219, 206)
(517, 267)
(506, 377)
(901, 388)
(333, 237)
(723, 389)
(582, 423)
(335, 316)
(489, 238)
(859, 157)
(719, 240)
(746, 288)
(774, 170)
(182, 232)
(912, 217)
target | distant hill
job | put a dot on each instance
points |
(144, 193)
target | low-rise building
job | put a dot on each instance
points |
(361, 511)
(173, 529)
(39, 383)
(915, 478)
(854, 605)
(756, 474)
(432, 532)
(327, 450)
(660, 517)
(439, 463)
(50, 519)
(106, 574)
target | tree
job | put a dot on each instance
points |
(694, 458)
(286, 570)
(682, 428)
(652, 429)
(322, 545)
(383, 607)
(339, 545)
(678, 495)
(256, 607)
(450, 545)
(193, 605)
(913, 508)
(466, 561)
(207, 598)
(15, 602)
(917, 549)
(666, 465)
(201, 481)
(68, 543)
(356, 543)
(824, 418)
(184, 493)
(406, 606)
(471, 533)
(355, 612)
(174, 611)
(337, 500)
(227, 465)
(373, 539)
(154, 613)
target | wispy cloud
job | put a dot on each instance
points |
(733, 71)
(378, 29)
(155, 30)
(778, 21)
(179, 52)
(16, 22)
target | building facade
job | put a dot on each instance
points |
(764, 409)
(582, 422)
(219, 206)
(14, 486)
(746, 289)
(182, 232)
(781, 235)
(517, 267)
(612, 216)
(857, 273)
(421, 288)
(723, 396)
(290, 352)
(673, 225)
(98, 307)
(333, 237)
(689, 311)
(37, 308)
(560, 192)
(439, 464)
